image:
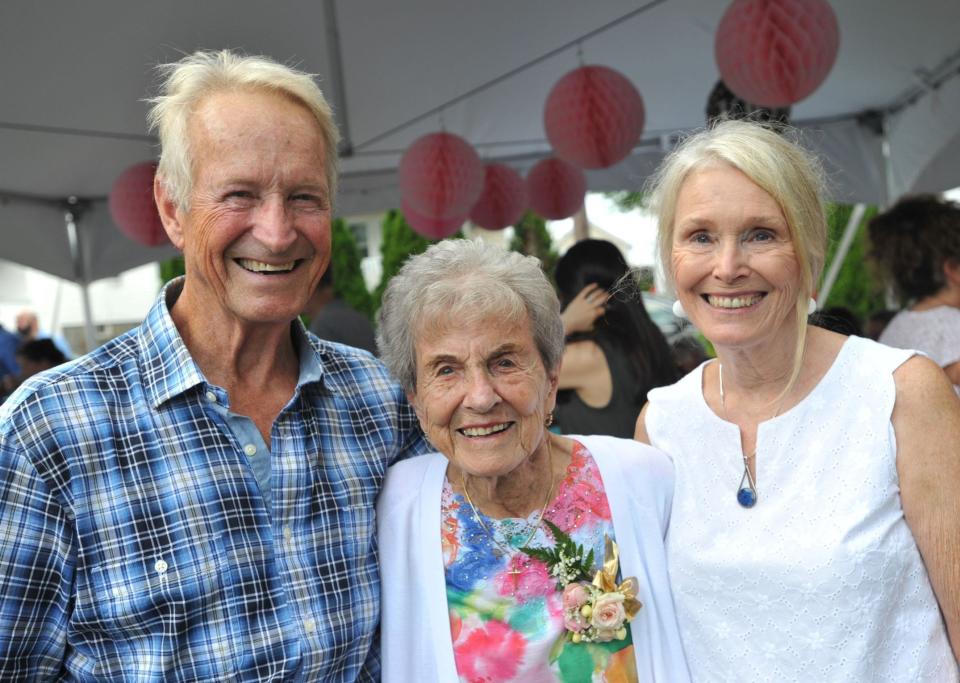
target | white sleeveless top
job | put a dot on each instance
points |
(822, 579)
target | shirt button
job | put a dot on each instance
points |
(310, 625)
(160, 566)
(287, 533)
(250, 449)
(212, 397)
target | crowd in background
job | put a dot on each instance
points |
(28, 351)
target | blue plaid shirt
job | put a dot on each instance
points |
(135, 543)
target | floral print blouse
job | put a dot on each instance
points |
(506, 614)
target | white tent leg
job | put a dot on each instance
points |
(76, 250)
(849, 233)
(89, 335)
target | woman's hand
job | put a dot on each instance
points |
(584, 309)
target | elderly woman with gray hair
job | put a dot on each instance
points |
(512, 554)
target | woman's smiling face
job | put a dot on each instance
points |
(483, 393)
(734, 262)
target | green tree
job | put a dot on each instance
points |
(627, 201)
(856, 287)
(348, 283)
(398, 243)
(531, 237)
(170, 269)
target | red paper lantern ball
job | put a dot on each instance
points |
(503, 199)
(429, 226)
(132, 206)
(774, 53)
(593, 117)
(555, 188)
(440, 176)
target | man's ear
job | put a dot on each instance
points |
(168, 212)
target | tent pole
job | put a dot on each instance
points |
(76, 251)
(335, 76)
(889, 181)
(840, 256)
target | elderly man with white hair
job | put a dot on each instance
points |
(195, 499)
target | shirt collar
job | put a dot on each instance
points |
(311, 369)
(169, 369)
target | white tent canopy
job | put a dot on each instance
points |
(74, 77)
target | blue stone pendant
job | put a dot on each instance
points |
(747, 493)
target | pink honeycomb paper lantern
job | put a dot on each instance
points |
(556, 189)
(132, 206)
(431, 227)
(593, 117)
(774, 53)
(441, 176)
(503, 199)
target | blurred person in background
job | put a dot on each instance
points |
(333, 319)
(876, 323)
(688, 353)
(614, 352)
(28, 327)
(38, 355)
(9, 368)
(815, 516)
(839, 319)
(916, 243)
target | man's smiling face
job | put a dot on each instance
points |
(256, 236)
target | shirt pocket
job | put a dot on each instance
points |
(161, 595)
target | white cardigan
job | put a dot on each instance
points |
(415, 622)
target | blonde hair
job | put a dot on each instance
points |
(188, 82)
(780, 167)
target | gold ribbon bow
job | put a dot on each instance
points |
(606, 580)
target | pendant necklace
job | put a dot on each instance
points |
(747, 493)
(510, 550)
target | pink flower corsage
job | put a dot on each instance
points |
(596, 610)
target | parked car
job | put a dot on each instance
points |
(684, 339)
(660, 310)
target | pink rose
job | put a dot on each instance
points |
(574, 596)
(608, 613)
(574, 621)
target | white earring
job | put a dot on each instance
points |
(811, 306)
(678, 309)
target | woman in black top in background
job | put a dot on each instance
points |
(614, 354)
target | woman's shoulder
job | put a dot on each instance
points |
(919, 376)
(636, 477)
(878, 354)
(684, 389)
(628, 457)
(405, 478)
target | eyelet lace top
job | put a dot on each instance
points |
(822, 580)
